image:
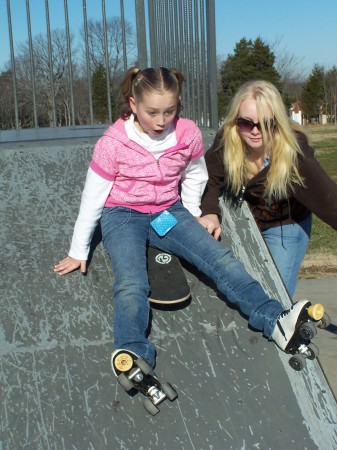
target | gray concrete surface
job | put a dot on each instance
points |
(324, 290)
(236, 389)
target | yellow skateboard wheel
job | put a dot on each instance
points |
(316, 311)
(123, 362)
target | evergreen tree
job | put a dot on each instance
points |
(312, 96)
(250, 61)
(331, 94)
(99, 94)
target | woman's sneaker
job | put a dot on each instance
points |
(288, 323)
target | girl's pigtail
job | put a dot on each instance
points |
(126, 91)
(180, 78)
(127, 82)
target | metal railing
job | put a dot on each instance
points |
(69, 76)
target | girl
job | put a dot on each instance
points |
(132, 187)
(262, 157)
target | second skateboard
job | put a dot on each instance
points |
(168, 283)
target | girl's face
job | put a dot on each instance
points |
(253, 136)
(155, 113)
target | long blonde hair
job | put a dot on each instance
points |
(283, 174)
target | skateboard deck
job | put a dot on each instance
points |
(300, 346)
(168, 283)
(134, 373)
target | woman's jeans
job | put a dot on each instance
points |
(126, 235)
(288, 245)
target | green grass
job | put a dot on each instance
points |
(323, 238)
(327, 156)
(323, 244)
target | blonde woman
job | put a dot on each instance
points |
(261, 156)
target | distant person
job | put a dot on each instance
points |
(132, 187)
(261, 156)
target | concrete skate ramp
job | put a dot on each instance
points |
(236, 390)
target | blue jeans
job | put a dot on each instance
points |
(127, 233)
(288, 245)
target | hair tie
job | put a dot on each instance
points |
(134, 75)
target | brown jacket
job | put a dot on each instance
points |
(319, 195)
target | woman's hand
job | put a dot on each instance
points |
(211, 223)
(70, 264)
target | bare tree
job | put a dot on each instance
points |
(7, 118)
(290, 68)
(330, 85)
(44, 76)
(81, 104)
(115, 44)
(112, 58)
(52, 69)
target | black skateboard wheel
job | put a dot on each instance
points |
(169, 391)
(308, 331)
(325, 321)
(126, 384)
(150, 407)
(143, 366)
(297, 362)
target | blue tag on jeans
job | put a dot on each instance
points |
(163, 223)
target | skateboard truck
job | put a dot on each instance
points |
(156, 394)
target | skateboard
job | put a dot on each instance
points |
(301, 347)
(134, 373)
(168, 283)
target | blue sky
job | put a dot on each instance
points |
(305, 28)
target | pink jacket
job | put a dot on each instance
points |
(142, 182)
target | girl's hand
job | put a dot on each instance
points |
(70, 264)
(212, 224)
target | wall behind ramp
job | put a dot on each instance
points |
(57, 390)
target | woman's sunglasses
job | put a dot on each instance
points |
(248, 125)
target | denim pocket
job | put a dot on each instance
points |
(114, 217)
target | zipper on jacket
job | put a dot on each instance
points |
(242, 193)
